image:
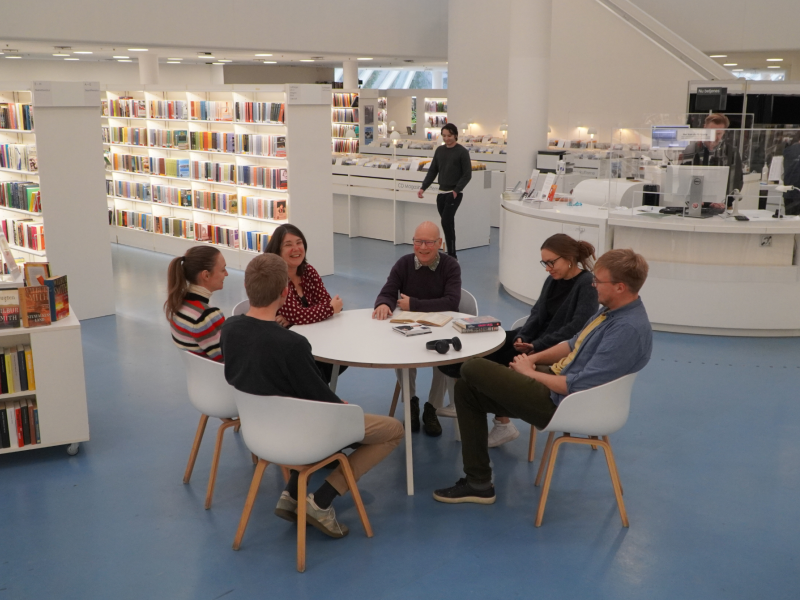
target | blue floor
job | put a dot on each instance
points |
(709, 460)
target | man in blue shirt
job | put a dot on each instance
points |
(616, 341)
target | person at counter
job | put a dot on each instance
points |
(720, 153)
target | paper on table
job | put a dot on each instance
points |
(433, 319)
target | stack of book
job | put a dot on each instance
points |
(18, 157)
(264, 208)
(19, 423)
(203, 170)
(260, 112)
(130, 189)
(255, 241)
(167, 194)
(168, 138)
(16, 116)
(263, 177)
(22, 195)
(476, 324)
(216, 201)
(16, 370)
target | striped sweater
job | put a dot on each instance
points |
(196, 326)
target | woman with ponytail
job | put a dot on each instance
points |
(567, 300)
(191, 279)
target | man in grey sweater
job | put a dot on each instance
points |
(452, 164)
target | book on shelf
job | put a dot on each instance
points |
(263, 177)
(15, 156)
(476, 324)
(19, 423)
(34, 270)
(255, 241)
(26, 233)
(412, 329)
(35, 305)
(216, 234)
(14, 115)
(21, 195)
(59, 296)
(216, 201)
(9, 308)
(432, 319)
(260, 112)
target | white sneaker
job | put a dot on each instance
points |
(324, 519)
(448, 411)
(502, 433)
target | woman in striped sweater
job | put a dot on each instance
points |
(191, 280)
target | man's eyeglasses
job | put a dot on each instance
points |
(426, 243)
(549, 264)
(595, 281)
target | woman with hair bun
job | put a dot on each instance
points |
(567, 300)
(191, 279)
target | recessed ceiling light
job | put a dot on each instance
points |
(263, 54)
(122, 57)
(217, 63)
(729, 64)
(82, 52)
(774, 60)
(174, 59)
(773, 67)
(137, 49)
(124, 60)
(364, 58)
(718, 56)
(306, 60)
(270, 62)
(174, 62)
(207, 57)
(224, 60)
(72, 59)
(13, 57)
(735, 70)
(60, 54)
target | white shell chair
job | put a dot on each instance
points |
(213, 397)
(303, 435)
(596, 413)
(241, 308)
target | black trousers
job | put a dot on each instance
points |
(447, 206)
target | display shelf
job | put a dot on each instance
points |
(20, 211)
(20, 171)
(308, 201)
(17, 131)
(28, 250)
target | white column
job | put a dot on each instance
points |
(528, 85)
(350, 78)
(148, 68)
(217, 74)
(438, 80)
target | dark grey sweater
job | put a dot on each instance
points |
(578, 307)
(453, 166)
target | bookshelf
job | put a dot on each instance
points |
(63, 224)
(435, 116)
(60, 390)
(345, 112)
(225, 165)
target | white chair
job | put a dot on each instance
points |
(303, 435)
(469, 306)
(213, 397)
(595, 413)
(241, 308)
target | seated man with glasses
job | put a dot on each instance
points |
(616, 341)
(425, 281)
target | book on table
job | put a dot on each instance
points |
(9, 308)
(432, 319)
(411, 329)
(476, 324)
(35, 305)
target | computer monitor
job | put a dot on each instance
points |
(667, 136)
(678, 184)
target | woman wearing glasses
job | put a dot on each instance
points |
(567, 300)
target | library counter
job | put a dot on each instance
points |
(714, 276)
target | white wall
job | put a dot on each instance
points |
(358, 27)
(104, 72)
(269, 74)
(730, 24)
(477, 84)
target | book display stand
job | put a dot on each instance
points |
(60, 390)
(225, 166)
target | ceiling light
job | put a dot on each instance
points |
(13, 57)
(174, 62)
(263, 54)
(124, 60)
(224, 60)
(774, 60)
(207, 57)
(82, 52)
(736, 70)
(718, 56)
(773, 67)
(174, 59)
(60, 54)
(270, 62)
(217, 63)
(137, 49)
(729, 64)
(306, 60)
(72, 59)
(363, 58)
(122, 57)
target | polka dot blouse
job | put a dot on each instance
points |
(319, 300)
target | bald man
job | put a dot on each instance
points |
(425, 281)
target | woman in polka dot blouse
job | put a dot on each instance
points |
(308, 300)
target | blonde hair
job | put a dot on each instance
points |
(717, 119)
(265, 277)
(624, 266)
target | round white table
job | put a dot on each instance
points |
(355, 339)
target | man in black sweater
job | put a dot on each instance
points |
(452, 164)
(263, 358)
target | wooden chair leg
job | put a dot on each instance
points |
(302, 487)
(255, 458)
(551, 463)
(248, 505)
(394, 399)
(237, 428)
(593, 437)
(621, 491)
(532, 444)
(212, 480)
(612, 470)
(198, 437)
(545, 457)
(351, 483)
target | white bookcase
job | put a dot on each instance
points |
(434, 116)
(70, 177)
(345, 117)
(60, 388)
(307, 196)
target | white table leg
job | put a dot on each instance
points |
(334, 377)
(407, 417)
